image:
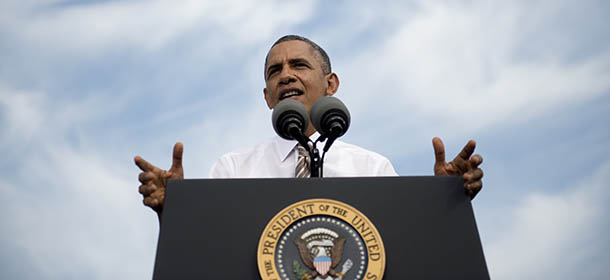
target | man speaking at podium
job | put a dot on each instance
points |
(297, 68)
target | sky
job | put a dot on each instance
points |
(87, 85)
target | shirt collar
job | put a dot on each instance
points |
(283, 147)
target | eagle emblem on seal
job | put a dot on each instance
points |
(321, 250)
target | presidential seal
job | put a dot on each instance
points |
(320, 239)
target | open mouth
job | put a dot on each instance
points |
(290, 93)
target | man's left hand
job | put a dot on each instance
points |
(464, 164)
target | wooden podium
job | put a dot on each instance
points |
(211, 227)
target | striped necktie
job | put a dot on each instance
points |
(302, 169)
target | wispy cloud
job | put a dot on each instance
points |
(95, 27)
(64, 202)
(556, 235)
(458, 66)
(21, 115)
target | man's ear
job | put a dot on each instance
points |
(332, 84)
(267, 98)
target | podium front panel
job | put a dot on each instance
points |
(211, 227)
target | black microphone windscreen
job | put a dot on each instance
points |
(289, 111)
(325, 107)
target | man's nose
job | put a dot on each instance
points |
(286, 76)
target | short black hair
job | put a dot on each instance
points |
(323, 56)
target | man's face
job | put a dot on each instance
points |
(294, 71)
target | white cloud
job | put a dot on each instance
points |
(147, 26)
(38, 120)
(22, 114)
(554, 236)
(69, 208)
(457, 67)
(77, 214)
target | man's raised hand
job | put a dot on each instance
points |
(464, 164)
(154, 179)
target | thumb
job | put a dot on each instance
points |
(177, 156)
(439, 150)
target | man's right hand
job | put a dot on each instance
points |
(154, 179)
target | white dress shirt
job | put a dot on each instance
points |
(277, 158)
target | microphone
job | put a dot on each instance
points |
(290, 120)
(331, 118)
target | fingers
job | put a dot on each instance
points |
(153, 196)
(474, 175)
(473, 188)
(150, 202)
(475, 161)
(147, 189)
(467, 150)
(143, 165)
(146, 177)
(473, 183)
(439, 149)
(177, 156)
(153, 202)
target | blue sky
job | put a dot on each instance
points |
(87, 85)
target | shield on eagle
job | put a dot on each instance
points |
(322, 264)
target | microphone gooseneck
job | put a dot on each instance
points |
(290, 121)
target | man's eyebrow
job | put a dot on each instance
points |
(273, 66)
(298, 60)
